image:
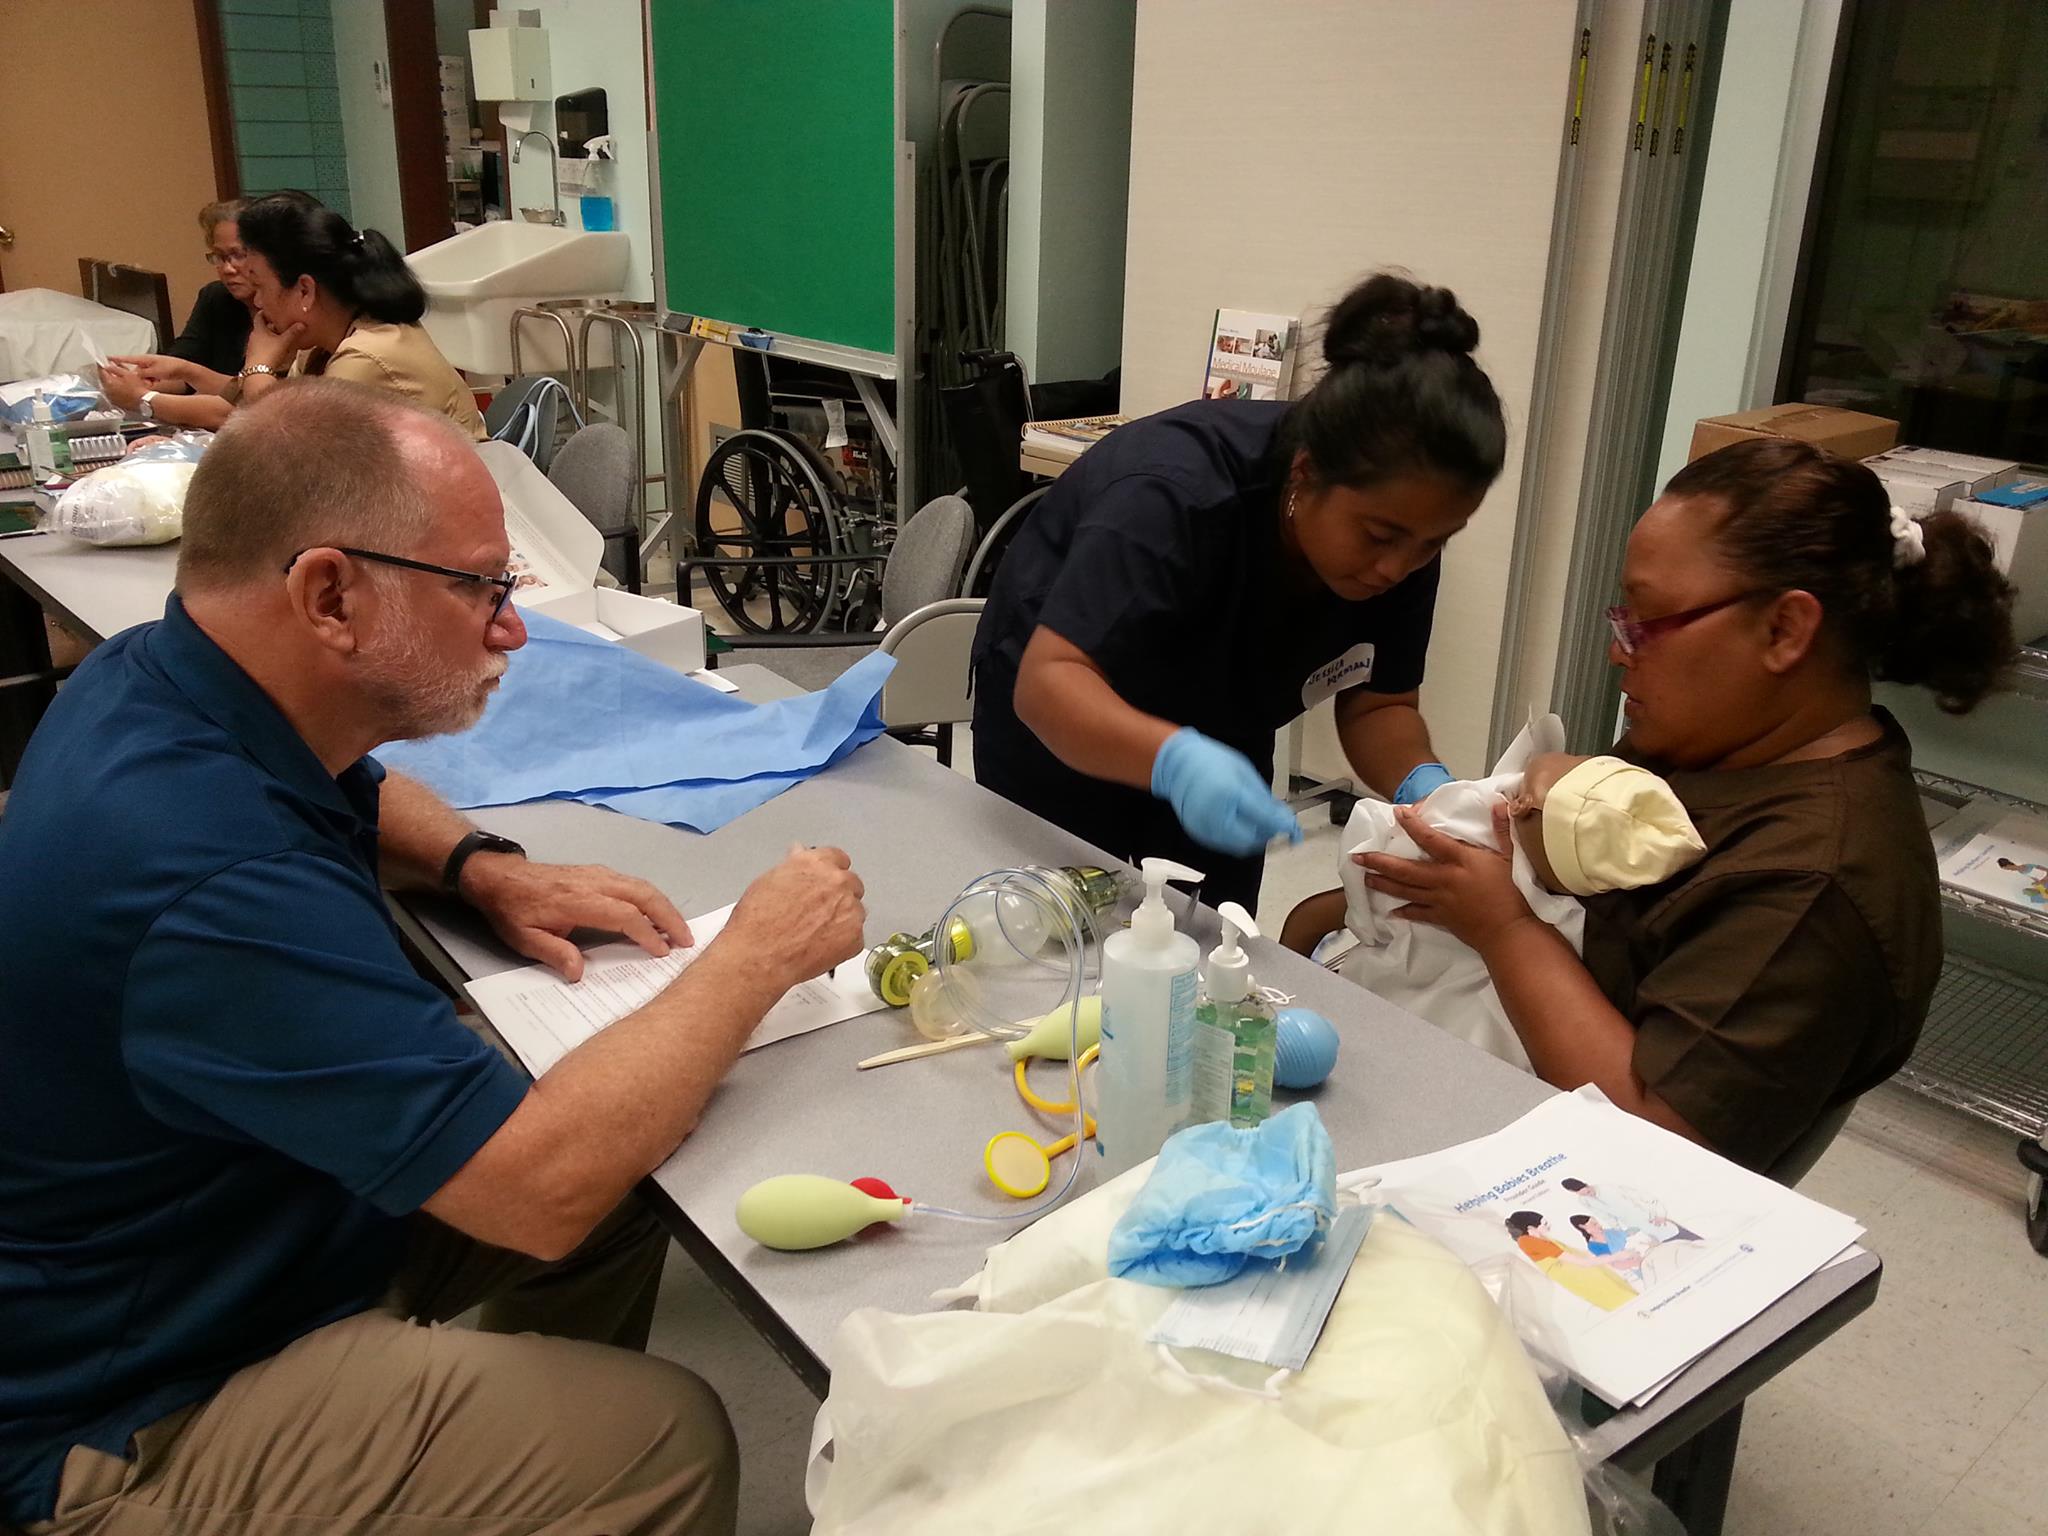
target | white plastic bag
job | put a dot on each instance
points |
(1417, 1412)
(125, 503)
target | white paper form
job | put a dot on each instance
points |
(543, 1018)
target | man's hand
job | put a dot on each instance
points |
(1469, 891)
(534, 907)
(803, 917)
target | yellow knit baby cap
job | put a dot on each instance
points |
(1609, 826)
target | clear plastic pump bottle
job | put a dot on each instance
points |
(1236, 1031)
(1144, 1076)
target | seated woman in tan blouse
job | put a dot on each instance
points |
(1790, 969)
(340, 302)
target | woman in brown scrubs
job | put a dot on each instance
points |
(1791, 968)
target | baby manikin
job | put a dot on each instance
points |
(1581, 825)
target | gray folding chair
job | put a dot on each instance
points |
(595, 470)
(927, 626)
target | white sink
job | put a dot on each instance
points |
(476, 279)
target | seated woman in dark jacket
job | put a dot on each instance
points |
(217, 331)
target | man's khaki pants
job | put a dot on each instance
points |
(387, 1423)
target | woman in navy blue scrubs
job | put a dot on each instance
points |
(1201, 577)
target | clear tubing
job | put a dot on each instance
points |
(1072, 923)
(1026, 897)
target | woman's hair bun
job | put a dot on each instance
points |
(1387, 317)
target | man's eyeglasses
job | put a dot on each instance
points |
(232, 258)
(505, 583)
(1632, 633)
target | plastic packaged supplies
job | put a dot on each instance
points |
(69, 396)
(579, 718)
(1220, 1197)
(125, 503)
(184, 446)
(1417, 1411)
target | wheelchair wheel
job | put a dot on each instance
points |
(2034, 1157)
(981, 569)
(764, 494)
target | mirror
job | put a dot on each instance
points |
(579, 117)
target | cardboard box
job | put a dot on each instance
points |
(556, 553)
(2020, 537)
(2027, 492)
(1920, 489)
(1848, 433)
(659, 631)
(1982, 474)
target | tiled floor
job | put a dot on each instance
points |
(1929, 1414)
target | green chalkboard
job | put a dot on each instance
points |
(776, 123)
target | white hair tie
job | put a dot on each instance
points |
(1909, 539)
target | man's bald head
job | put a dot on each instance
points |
(317, 462)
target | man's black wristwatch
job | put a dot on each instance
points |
(475, 842)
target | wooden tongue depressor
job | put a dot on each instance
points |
(929, 1048)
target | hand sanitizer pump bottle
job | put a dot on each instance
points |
(1236, 1030)
(1144, 1077)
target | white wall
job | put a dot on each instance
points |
(360, 60)
(1366, 133)
(1070, 141)
(1752, 207)
(594, 43)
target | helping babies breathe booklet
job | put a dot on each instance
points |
(1622, 1251)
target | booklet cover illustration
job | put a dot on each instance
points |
(1622, 1251)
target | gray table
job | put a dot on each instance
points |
(918, 833)
(98, 592)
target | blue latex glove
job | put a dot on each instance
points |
(1422, 779)
(1220, 798)
(1220, 1197)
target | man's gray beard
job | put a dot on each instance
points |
(418, 691)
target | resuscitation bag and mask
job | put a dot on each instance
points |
(1011, 959)
(1007, 919)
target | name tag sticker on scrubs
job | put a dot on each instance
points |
(1269, 1313)
(1347, 671)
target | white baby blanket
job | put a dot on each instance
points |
(1425, 969)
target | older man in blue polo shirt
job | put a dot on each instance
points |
(247, 1156)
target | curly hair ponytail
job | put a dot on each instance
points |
(1801, 519)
